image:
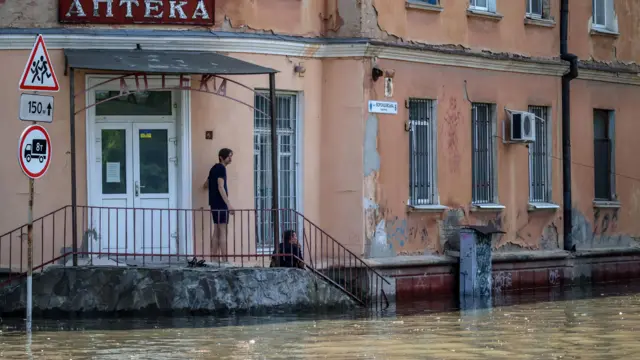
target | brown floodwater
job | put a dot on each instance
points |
(596, 323)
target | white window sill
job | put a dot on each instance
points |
(487, 207)
(539, 206)
(601, 31)
(606, 204)
(484, 14)
(535, 21)
(419, 5)
(427, 208)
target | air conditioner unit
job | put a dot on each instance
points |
(523, 125)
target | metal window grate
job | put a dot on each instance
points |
(539, 154)
(287, 165)
(602, 151)
(483, 153)
(422, 147)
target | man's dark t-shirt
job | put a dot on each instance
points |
(215, 198)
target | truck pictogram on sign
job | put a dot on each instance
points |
(37, 149)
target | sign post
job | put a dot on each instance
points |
(30, 258)
(34, 157)
(34, 146)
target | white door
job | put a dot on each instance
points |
(136, 162)
(154, 186)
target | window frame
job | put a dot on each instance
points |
(529, 10)
(546, 131)
(611, 135)
(432, 198)
(491, 158)
(261, 126)
(610, 25)
(594, 13)
(480, 8)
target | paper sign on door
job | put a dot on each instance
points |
(113, 172)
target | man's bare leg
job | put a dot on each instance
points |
(222, 241)
(215, 243)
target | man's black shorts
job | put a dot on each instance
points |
(220, 216)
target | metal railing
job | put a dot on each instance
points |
(113, 236)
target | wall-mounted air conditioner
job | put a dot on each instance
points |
(523, 125)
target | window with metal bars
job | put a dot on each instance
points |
(539, 160)
(603, 154)
(287, 124)
(483, 160)
(422, 145)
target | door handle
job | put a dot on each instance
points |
(137, 189)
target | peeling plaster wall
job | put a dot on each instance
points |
(453, 27)
(390, 229)
(624, 48)
(296, 17)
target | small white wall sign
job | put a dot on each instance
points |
(36, 108)
(383, 107)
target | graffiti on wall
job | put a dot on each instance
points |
(453, 118)
(600, 230)
(604, 221)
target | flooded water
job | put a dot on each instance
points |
(601, 323)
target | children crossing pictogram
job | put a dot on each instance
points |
(38, 73)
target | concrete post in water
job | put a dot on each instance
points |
(475, 265)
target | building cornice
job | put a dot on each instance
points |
(304, 48)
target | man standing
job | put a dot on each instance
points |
(219, 202)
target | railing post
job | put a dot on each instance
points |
(274, 159)
(74, 198)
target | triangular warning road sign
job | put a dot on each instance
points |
(38, 74)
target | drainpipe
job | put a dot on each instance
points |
(566, 125)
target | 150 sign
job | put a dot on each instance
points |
(36, 108)
(181, 12)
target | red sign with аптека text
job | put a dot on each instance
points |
(180, 12)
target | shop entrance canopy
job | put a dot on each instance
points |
(138, 62)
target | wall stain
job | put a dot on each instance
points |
(453, 118)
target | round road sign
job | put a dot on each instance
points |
(34, 151)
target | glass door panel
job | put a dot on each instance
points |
(154, 167)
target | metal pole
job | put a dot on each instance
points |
(30, 258)
(74, 198)
(567, 209)
(274, 159)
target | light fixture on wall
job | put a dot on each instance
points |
(300, 69)
(376, 72)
